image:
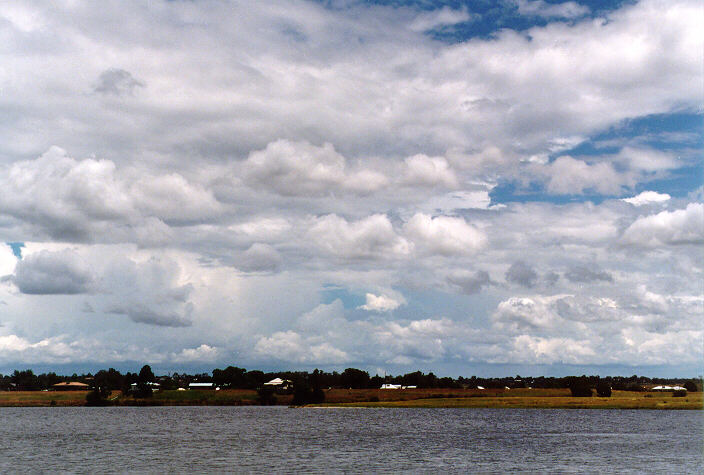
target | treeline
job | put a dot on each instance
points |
(234, 377)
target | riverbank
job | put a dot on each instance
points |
(419, 398)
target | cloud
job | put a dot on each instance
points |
(441, 17)
(429, 171)
(468, 282)
(380, 303)
(299, 168)
(259, 257)
(290, 346)
(203, 353)
(444, 235)
(522, 274)
(371, 237)
(550, 10)
(682, 226)
(47, 273)
(647, 198)
(588, 274)
(117, 82)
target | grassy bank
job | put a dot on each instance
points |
(459, 398)
(548, 399)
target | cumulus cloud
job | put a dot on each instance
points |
(116, 82)
(441, 17)
(522, 274)
(588, 274)
(647, 197)
(46, 272)
(429, 171)
(469, 282)
(259, 257)
(372, 237)
(202, 353)
(682, 226)
(380, 303)
(552, 10)
(444, 235)
(299, 168)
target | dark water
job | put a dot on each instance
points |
(277, 439)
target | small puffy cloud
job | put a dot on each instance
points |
(149, 292)
(204, 353)
(259, 258)
(46, 272)
(647, 197)
(117, 82)
(522, 274)
(439, 18)
(567, 175)
(380, 303)
(539, 350)
(521, 313)
(682, 226)
(587, 274)
(429, 171)
(444, 235)
(552, 10)
(469, 282)
(291, 346)
(302, 169)
(371, 237)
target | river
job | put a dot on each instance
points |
(279, 439)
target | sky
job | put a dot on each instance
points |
(474, 187)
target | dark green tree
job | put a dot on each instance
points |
(603, 388)
(145, 377)
(579, 386)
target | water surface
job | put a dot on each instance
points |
(279, 439)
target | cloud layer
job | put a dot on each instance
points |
(335, 185)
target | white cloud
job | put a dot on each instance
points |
(429, 171)
(299, 168)
(372, 237)
(46, 272)
(202, 353)
(441, 17)
(682, 226)
(552, 10)
(380, 303)
(444, 235)
(647, 197)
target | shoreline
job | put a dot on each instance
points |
(375, 398)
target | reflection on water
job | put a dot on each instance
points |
(266, 439)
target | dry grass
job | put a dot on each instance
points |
(460, 398)
(542, 399)
(44, 398)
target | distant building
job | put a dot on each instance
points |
(70, 386)
(668, 388)
(390, 386)
(281, 386)
(201, 386)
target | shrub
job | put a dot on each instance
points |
(690, 386)
(603, 389)
(579, 387)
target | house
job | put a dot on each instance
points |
(201, 386)
(668, 388)
(390, 386)
(154, 386)
(281, 386)
(70, 386)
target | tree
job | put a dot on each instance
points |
(579, 386)
(603, 389)
(354, 378)
(145, 377)
(690, 386)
